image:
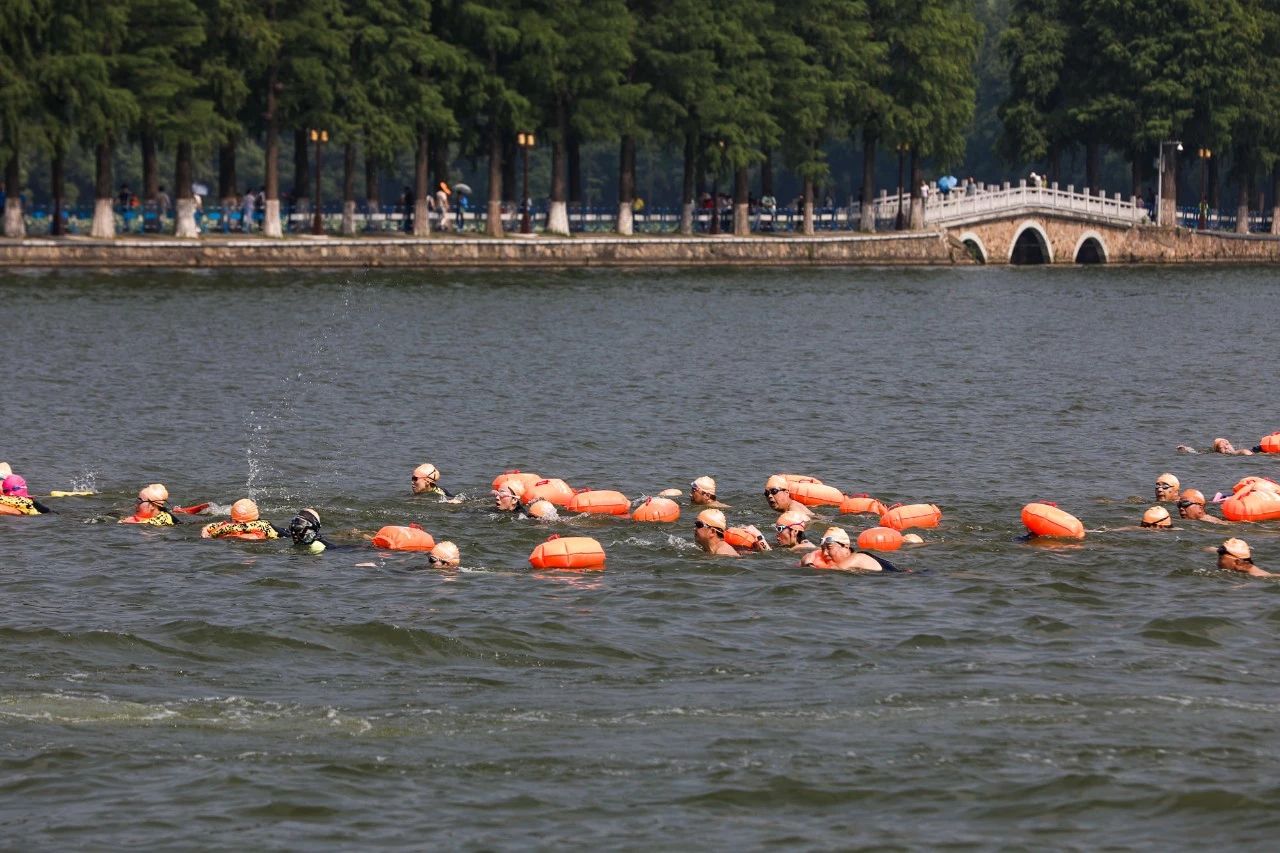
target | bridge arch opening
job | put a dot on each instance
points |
(1031, 247)
(973, 243)
(1091, 249)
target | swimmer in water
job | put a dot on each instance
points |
(16, 500)
(790, 528)
(244, 524)
(444, 556)
(426, 481)
(835, 552)
(304, 530)
(1191, 506)
(509, 498)
(702, 492)
(778, 494)
(1234, 556)
(1167, 487)
(1157, 518)
(708, 533)
(152, 508)
(1221, 445)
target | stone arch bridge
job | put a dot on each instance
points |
(1048, 225)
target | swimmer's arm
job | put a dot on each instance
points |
(41, 508)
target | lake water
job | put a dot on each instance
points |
(157, 690)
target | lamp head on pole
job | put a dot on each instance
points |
(314, 134)
(525, 140)
(324, 136)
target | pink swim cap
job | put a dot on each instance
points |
(15, 486)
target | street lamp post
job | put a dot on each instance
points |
(319, 137)
(1160, 181)
(903, 148)
(525, 141)
(1205, 154)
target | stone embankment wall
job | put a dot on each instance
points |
(920, 248)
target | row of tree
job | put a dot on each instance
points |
(734, 86)
(1138, 76)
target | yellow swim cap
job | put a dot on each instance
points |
(543, 508)
(155, 493)
(1168, 480)
(706, 484)
(427, 471)
(446, 554)
(714, 519)
(1237, 548)
(244, 510)
(836, 534)
(1156, 515)
(791, 518)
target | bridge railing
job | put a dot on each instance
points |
(958, 207)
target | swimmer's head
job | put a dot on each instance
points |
(1234, 554)
(835, 537)
(912, 539)
(1191, 504)
(670, 493)
(790, 527)
(1157, 516)
(702, 490)
(155, 494)
(1194, 495)
(445, 555)
(507, 496)
(14, 485)
(244, 510)
(1221, 445)
(543, 509)
(710, 522)
(305, 527)
(425, 477)
(1167, 487)
(777, 492)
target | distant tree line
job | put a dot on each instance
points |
(1139, 76)
(735, 86)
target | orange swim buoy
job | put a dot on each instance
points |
(658, 510)
(527, 479)
(600, 502)
(1270, 443)
(1255, 483)
(816, 494)
(880, 539)
(403, 538)
(902, 517)
(569, 552)
(1045, 519)
(1252, 504)
(5, 509)
(549, 489)
(862, 505)
(741, 537)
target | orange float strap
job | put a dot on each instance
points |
(403, 538)
(550, 489)
(568, 552)
(862, 504)
(526, 479)
(901, 517)
(794, 479)
(1270, 443)
(1045, 519)
(1252, 504)
(741, 537)
(815, 494)
(600, 502)
(657, 510)
(880, 539)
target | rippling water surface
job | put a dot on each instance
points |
(157, 690)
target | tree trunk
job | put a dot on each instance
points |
(626, 184)
(371, 196)
(57, 183)
(766, 174)
(687, 183)
(228, 189)
(493, 227)
(104, 218)
(1242, 206)
(1215, 199)
(1275, 199)
(349, 190)
(301, 169)
(421, 190)
(271, 169)
(867, 221)
(1054, 167)
(741, 202)
(150, 168)
(13, 224)
(916, 222)
(806, 219)
(184, 224)
(1136, 175)
(1169, 191)
(1093, 166)
(558, 209)
(509, 156)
